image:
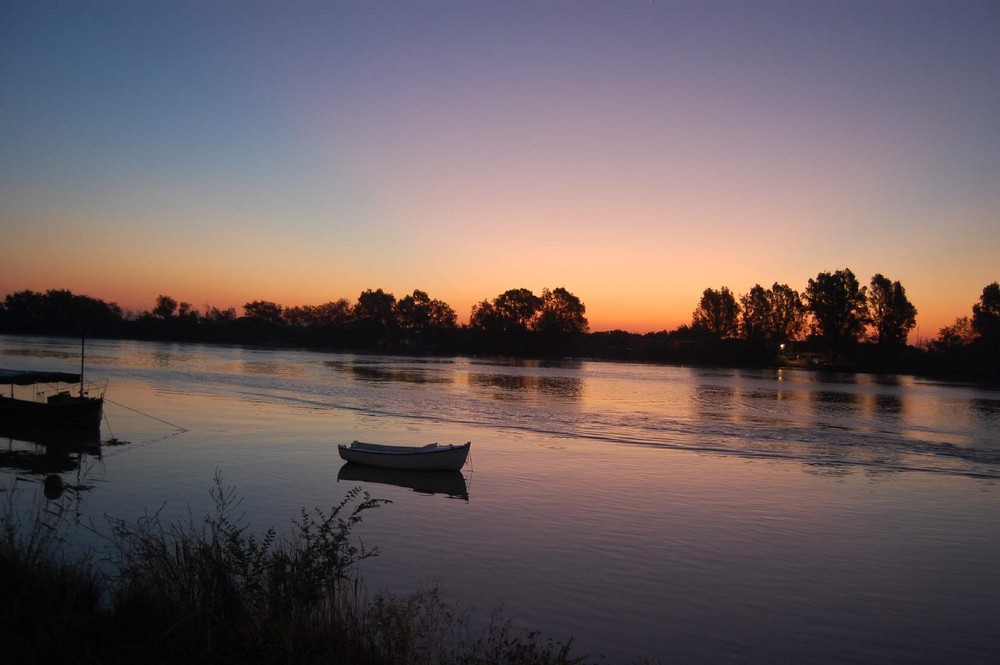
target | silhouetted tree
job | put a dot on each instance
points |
(374, 321)
(755, 314)
(516, 308)
(442, 315)
(377, 308)
(186, 325)
(24, 311)
(839, 306)
(986, 315)
(335, 313)
(262, 323)
(264, 311)
(891, 314)
(774, 315)
(484, 316)
(301, 317)
(59, 312)
(560, 313)
(413, 312)
(217, 325)
(320, 325)
(788, 313)
(959, 334)
(717, 313)
(511, 311)
(418, 313)
(216, 314)
(165, 307)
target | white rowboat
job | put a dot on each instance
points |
(432, 457)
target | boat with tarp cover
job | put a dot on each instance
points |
(50, 399)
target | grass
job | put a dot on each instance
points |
(47, 604)
(209, 591)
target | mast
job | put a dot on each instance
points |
(83, 341)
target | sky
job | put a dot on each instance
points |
(634, 152)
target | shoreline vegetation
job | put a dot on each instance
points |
(835, 324)
(211, 592)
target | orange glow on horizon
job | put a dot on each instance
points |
(603, 314)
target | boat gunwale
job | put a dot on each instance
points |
(387, 449)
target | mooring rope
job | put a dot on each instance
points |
(177, 427)
(108, 423)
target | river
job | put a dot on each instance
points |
(696, 515)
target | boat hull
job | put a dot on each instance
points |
(60, 411)
(427, 458)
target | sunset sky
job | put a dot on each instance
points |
(634, 152)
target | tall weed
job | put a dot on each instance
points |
(230, 593)
(47, 603)
(210, 591)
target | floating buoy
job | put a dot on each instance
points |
(54, 486)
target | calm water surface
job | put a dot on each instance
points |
(718, 516)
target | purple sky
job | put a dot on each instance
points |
(632, 152)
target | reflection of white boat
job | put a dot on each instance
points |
(432, 457)
(57, 407)
(451, 483)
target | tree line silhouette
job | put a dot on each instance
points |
(835, 322)
(839, 312)
(515, 322)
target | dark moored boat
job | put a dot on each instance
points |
(52, 404)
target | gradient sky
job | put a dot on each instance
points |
(634, 152)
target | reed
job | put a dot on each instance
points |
(48, 606)
(210, 591)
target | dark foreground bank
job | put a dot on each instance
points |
(211, 592)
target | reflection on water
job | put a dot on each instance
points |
(987, 409)
(450, 483)
(821, 518)
(502, 386)
(715, 401)
(267, 367)
(531, 363)
(39, 450)
(888, 404)
(839, 398)
(560, 386)
(381, 372)
(504, 383)
(58, 348)
(162, 359)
